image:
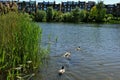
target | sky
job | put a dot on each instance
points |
(105, 1)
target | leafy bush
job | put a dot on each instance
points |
(67, 17)
(108, 17)
(57, 16)
(84, 16)
(50, 14)
(40, 16)
(76, 15)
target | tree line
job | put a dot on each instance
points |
(96, 14)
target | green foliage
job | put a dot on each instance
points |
(108, 17)
(101, 12)
(96, 14)
(50, 14)
(40, 16)
(93, 13)
(32, 15)
(67, 17)
(84, 16)
(76, 15)
(20, 52)
(57, 16)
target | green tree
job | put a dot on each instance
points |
(93, 13)
(84, 16)
(108, 17)
(101, 12)
(76, 15)
(40, 16)
(50, 14)
(57, 16)
(67, 17)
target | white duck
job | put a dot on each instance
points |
(61, 71)
(67, 54)
(78, 48)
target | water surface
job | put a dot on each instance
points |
(98, 59)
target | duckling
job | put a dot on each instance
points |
(78, 48)
(61, 71)
(67, 55)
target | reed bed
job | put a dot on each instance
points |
(20, 50)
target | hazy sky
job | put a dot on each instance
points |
(105, 1)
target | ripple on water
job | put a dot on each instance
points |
(99, 58)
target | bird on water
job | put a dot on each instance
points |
(67, 54)
(61, 71)
(78, 48)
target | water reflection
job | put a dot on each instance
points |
(98, 59)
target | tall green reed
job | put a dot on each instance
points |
(20, 50)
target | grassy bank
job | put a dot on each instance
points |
(20, 51)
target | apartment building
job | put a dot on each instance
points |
(118, 9)
(110, 9)
(89, 5)
(29, 6)
(44, 5)
(68, 6)
(64, 7)
(82, 5)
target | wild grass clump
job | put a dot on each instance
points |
(20, 52)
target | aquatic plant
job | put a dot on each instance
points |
(20, 50)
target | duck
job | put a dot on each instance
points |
(67, 54)
(61, 71)
(78, 48)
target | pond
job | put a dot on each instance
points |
(98, 58)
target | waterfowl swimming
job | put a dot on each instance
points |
(61, 71)
(78, 48)
(67, 54)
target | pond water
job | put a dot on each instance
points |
(98, 59)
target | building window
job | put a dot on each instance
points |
(45, 9)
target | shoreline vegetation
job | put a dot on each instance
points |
(21, 54)
(96, 15)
